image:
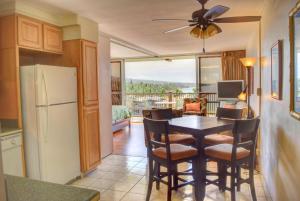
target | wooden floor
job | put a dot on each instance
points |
(130, 141)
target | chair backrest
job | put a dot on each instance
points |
(228, 113)
(162, 114)
(147, 114)
(245, 136)
(154, 130)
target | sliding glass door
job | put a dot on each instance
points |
(210, 72)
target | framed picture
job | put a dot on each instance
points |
(295, 61)
(276, 70)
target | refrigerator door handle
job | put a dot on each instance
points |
(47, 117)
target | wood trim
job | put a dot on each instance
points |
(293, 113)
(279, 43)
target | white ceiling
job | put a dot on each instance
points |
(131, 20)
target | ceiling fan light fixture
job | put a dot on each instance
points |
(204, 33)
(212, 30)
(196, 31)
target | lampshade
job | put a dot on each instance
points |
(248, 62)
(242, 96)
(204, 33)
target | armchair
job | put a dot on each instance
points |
(195, 106)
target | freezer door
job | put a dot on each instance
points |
(58, 143)
(55, 85)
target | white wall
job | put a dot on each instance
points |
(105, 96)
(2, 186)
(280, 136)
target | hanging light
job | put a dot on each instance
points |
(196, 31)
(204, 33)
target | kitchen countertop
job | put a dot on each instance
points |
(24, 189)
(9, 131)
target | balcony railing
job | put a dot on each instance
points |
(137, 102)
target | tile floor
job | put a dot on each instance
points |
(123, 178)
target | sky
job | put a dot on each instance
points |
(183, 70)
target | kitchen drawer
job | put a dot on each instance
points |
(9, 142)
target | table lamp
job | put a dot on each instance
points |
(248, 62)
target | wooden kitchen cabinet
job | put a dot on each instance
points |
(92, 137)
(30, 33)
(90, 73)
(83, 55)
(52, 38)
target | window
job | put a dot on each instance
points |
(161, 76)
(210, 73)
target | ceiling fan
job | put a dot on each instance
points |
(204, 21)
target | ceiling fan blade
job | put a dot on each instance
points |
(215, 11)
(177, 29)
(237, 19)
(170, 20)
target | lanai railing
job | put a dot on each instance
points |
(136, 102)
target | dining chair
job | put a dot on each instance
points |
(174, 138)
(223, 113)
(167, 114)
(167, 155)
(241, 153)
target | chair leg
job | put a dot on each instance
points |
(232, 183)
(238, 172)
(222, 175)
(150, 181)
(157, 174)
(252, 187)
(196, 177)
(175, 178)
(169, 198)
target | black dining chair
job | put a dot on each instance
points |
(174, 138)
(167, 155)
(223, 113)
(241, 153)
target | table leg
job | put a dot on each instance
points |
(199, 168)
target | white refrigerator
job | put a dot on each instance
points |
(50, 122)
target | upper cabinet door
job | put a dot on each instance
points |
(52, 38)
(90, 73)
(30, 33)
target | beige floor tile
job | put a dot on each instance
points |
(129, 183)
(131, 178)
(84, 182)
(111, 175)
(110, 195)
(133, 197)
(123, 186)
(139, 189)
(134, 158)
(102, 183)
(139, 171)
(144, 180)
(101, 190)
(141, 165)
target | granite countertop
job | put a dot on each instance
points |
(9, 131)
(24, 189)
